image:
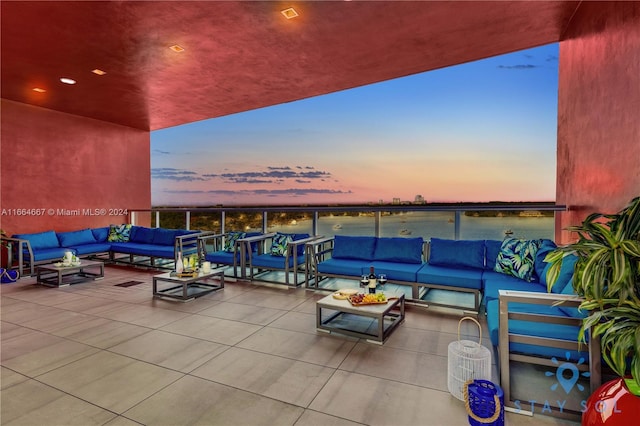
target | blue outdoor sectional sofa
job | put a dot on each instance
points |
(132, 241)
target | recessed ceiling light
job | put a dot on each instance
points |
(39, 90)
(177, 48)
(98, 72)
(66, 80)
(289, 13)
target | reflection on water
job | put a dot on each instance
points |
(427, 225)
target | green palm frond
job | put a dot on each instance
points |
(607, 276)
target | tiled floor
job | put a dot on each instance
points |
(97, 354)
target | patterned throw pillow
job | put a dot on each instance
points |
(230, 241)
(517, 258)
(279, 244)
(119, 233)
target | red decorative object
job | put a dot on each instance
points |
(612, 404)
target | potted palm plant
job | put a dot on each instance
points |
(607, 276)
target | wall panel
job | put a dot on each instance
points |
(598, 112)
(69, 165)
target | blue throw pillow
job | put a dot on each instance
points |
(142, 235)
(279, 244)
(230, 241)
(358, 248)
(492, 249)
(517, 257)
(403, 250)
(164, 237)
(456, 253)
(540, 266)
(76, 238)
(41, 240)
(566, 275)
(119, 233)
(101, 234)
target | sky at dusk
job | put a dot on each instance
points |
(476, 132)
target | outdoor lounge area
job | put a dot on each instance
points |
(105, 354)
(86, 84)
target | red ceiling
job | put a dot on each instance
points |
(244, 55)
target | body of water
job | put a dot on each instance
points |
(428, 225)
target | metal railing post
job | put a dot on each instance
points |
(314, 225)
(223, 219)
(377, 223)
(188, 220)
(456, 225)
(157, 218)
(264, 222)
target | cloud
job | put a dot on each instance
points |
(158, 151)
(177, 175)
(518, 67)
(273, 174)
(269, 192)
(552, 58)
(303, 181)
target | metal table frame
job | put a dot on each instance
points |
(378, 312)
(54, 276)
(188, 288)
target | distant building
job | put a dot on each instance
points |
(419, 200)
(396, 201)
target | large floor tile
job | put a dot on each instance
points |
(196, 401)
(192, 306)
(170, 350)
(374, 401)
(296, 321)
(9, 378)
(145, 316)
(269, 300)
(213, 329)
(317, 349)
(416, 368)
(314, 418)
(33, 403)
(245, 313)
(36, 353)
(100, 332)
(279, 378)
(111, 381)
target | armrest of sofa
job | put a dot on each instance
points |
(319, 249)
(188, 244)
(245, 243)
(216, 241)
(20, 245)
(506, 297)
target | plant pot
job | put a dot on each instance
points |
(612, 404)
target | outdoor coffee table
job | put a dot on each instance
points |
(56, 275)
(371, 322)
(187, 288)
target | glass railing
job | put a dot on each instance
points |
(454, 221)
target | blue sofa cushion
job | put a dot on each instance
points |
(140, 234)
(348, 267)
(76, 238)
(495, 281)
(566, 274)
(300, 247)
(119, 233)
(158, 250)
(41, 240)
(279, 244)
(48, 253)
(492, 249)
(100, 234)
(403, 250)
(397, 271)
(517, 257)
(230, 240)
(274, 262)
(455, 277)
(564, 332)
(221, 257)
(571, 312)
(358, 248)
(457, 253)
(133, 248)
(164, 237)
(85, 249)
(540, 266)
